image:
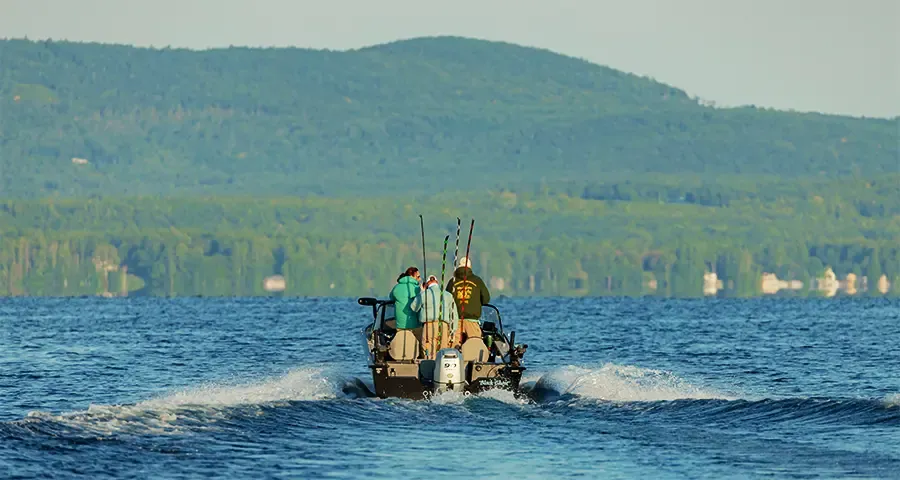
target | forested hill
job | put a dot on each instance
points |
(413, 116)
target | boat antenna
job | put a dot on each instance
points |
(441, 291)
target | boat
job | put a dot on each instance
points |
(493, 361)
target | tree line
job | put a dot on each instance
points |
(165, 264)
(526, 244)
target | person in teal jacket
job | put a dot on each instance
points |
(406, 289)
(438, 331)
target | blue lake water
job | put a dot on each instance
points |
(252, 388)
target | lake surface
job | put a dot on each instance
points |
(252, 388)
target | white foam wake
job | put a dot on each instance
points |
(892, 400)
(624, 383)
(505, 396)
(299, 384)
(194, 407)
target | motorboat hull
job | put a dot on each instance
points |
(413, 379)
(394, 358)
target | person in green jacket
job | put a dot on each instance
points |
(470, 294)
(406, 289)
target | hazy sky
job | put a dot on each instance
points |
(835, 56)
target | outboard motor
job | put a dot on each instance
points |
(449, 370)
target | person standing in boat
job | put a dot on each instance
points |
(438, 316)
(470, 294)
(406, 289)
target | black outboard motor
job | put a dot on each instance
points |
(518, 352)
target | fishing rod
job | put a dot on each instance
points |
(466, 272)
(441, 292)
(456, 253)
(424, 267)
(455, 258)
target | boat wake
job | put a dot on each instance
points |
(192, 408)
(617, 383)
(892, 401)
(629, 390)
(614, 390)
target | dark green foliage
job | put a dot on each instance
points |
(538, 244)
(413, 116)
(314, 165)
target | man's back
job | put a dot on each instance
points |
(469, 291)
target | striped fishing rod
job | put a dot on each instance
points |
(455, 259)
(456, 253)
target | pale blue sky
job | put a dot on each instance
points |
(834, 56)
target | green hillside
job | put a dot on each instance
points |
(423, 115)
(176, 172)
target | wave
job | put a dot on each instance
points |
(613, 390)
(809, 411)
(186, 409)
(618, 383)
(634, 390)
(299, 384)
(892, 400)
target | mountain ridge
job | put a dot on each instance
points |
(289, 120)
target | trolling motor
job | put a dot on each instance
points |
(517, 352)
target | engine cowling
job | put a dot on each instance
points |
(449, 370)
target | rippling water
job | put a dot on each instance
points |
(634, 388)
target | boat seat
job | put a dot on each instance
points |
(404, 346)
(474, 350)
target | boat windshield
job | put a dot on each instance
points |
(385, 319)
(489, 313)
